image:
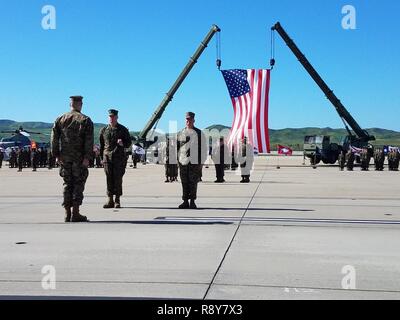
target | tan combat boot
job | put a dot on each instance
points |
(184, 205)
(117, 202)
(67, 214)
(109, 204)
(192, 204)
(76, 216)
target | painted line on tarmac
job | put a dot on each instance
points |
(233, 238)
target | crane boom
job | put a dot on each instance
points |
(363, 135)
(169, 96)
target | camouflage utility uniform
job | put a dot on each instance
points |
(365, 159)
(20, 159)
(342, 160)
(72, 142)
(246, 159)
(13, 159)
(34, 159)
(393, 158)
(379, 159)
(192, 154)
(169, 159)
(350, 158)
(221, 156)
(114, 156)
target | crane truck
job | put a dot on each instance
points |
(143, 139)
(318, 148)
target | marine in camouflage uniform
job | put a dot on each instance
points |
(379, 159)
(114, 139)
(192, 154)
(13, 159)
(72, 145)
(396, 162)
(393, 158)
(34, 159)
(246, 160)
(172, 161)
(20, 159)
(221, 156)
(365, 159)
(50, 160)
(342, 160)
(169, 159)
(350, 160)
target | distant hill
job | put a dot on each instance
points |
(292, 137)
(41, 127)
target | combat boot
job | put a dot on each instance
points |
(192, 204)
(110, 203)
(184, 205)
(76, 216)
(67, 214)
(117, 202)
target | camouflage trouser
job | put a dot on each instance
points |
(171, 170)
(219, 171)
(114, 172)
(379, 162)
(75, 176)
(20, 164)
(190, 175)
(350, 162)
(342, 161)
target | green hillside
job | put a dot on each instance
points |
(40, 127)
(292, 137)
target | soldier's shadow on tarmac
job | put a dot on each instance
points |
(161, 221)
(152, 222)
(219, 209)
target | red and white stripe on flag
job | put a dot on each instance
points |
(251, 112)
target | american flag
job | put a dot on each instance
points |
(249, 91)
(356, 151)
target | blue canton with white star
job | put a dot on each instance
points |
(237, 83)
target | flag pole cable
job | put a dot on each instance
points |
(277, 148)
(218, 48)
(272, 61)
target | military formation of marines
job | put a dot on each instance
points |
(27, 157)
(72, 144)
(72, 148)
(347, 159)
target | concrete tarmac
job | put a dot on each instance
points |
(292, 233)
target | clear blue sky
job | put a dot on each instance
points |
(126, 54)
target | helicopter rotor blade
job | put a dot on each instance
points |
(32, 132)
(26, 134)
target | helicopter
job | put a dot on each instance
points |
(20, 138)
(21, 131)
